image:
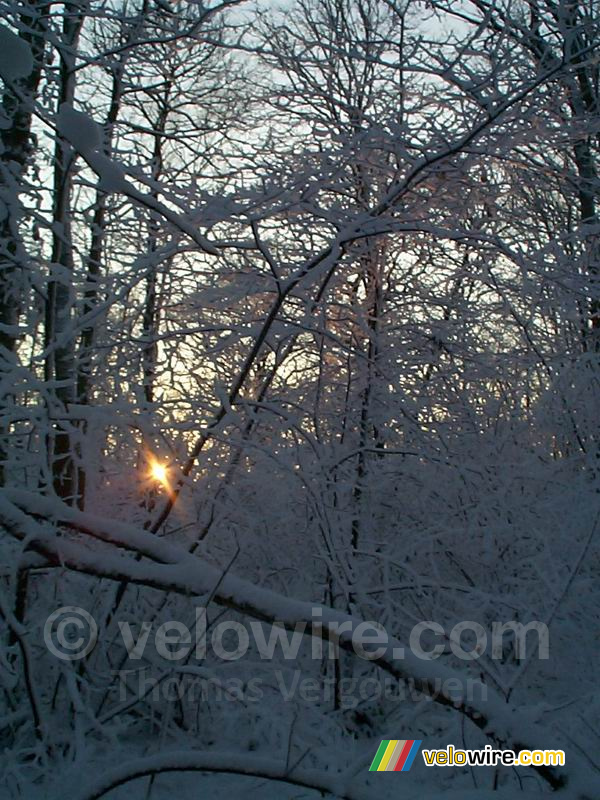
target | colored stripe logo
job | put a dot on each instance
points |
(395, 755)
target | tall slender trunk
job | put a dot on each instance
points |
(93, 271)
(585, 105)
(150, 316)
(367, 430)
(15, 146)
(60, 360)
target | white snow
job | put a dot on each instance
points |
(16, 60)
(79, 129)
(177, 570)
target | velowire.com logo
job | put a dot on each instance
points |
(395, 755)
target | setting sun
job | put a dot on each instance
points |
(159, 473)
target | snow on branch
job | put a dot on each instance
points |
(193, 761)
(513, 727)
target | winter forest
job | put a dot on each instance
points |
(299, 343)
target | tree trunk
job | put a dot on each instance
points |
(60, 361)
(15, 144)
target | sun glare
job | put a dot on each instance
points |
(159, 473)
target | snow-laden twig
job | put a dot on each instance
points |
(504, 723)
(234, 763)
